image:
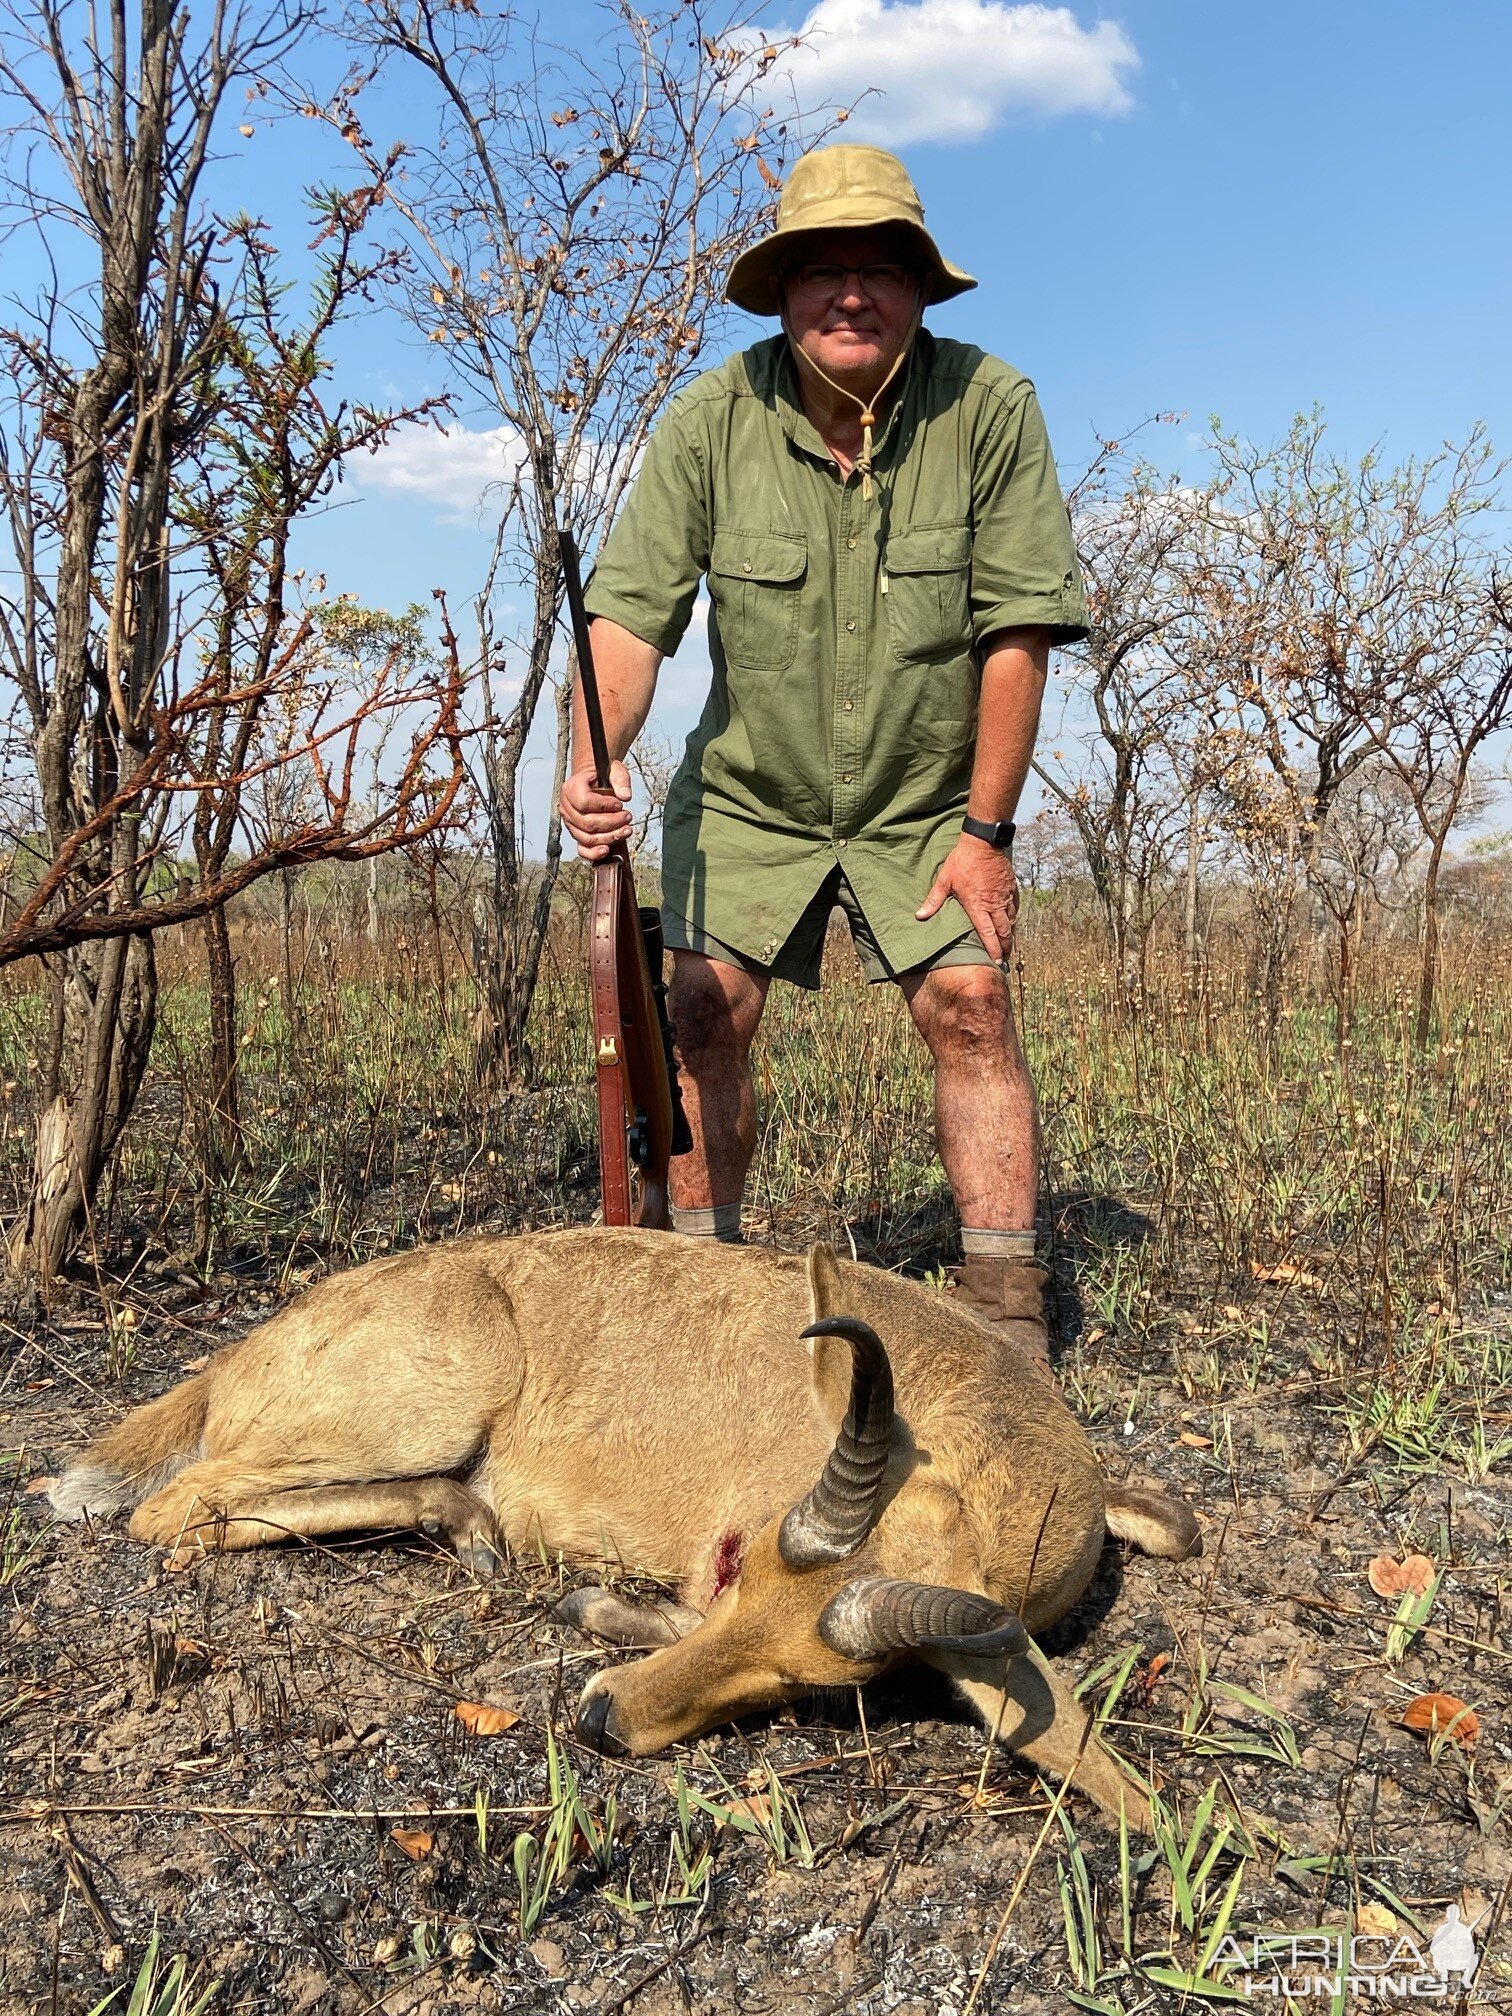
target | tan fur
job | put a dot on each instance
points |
(637, 1398)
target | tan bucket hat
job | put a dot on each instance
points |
(840, 189)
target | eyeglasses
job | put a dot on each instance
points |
(825, 282)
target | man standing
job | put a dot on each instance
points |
(887, 552)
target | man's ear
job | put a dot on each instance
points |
(831, 1355)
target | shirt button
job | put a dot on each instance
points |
(850, 622)
(839, 843)
(852, 544)
(850, 706)
(745, 566)
(845, 777)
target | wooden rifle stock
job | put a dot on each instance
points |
(641, 1120)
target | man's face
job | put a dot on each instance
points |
(851, 300)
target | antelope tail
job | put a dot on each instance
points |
(138, 1456)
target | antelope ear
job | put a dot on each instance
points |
(831, 1355)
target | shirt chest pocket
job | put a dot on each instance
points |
(927, 578)
(756, 585)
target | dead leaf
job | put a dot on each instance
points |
(755, 1807)
(37, 1486)
(1442, 1715)
(481, 1718)
(412, 1841)
(1154, 1674)
(1231, 1314)
(1191, 1441)
(1393, 1579)
(552, 1958)
(772, 181)
(1284, 1271)
(1374, 1921)
(196, 1364)
(246, 131)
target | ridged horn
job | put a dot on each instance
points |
(873, 1617)
(836, 1516)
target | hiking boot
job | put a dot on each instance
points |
(1008, 1296)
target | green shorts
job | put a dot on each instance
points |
(803, 949)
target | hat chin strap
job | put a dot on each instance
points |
(868, 406)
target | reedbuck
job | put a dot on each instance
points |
(899, 1484)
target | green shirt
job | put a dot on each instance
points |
(845, 631)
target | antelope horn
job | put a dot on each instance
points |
(836, 1516)
(872, 1617)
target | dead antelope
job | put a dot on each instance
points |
(632, 1397)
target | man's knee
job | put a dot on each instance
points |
(966, 1011)
(714, 1008)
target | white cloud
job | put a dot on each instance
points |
(450, 467)
(951, 69)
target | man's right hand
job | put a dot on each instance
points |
(594, 818)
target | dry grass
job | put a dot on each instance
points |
(1282, 1273)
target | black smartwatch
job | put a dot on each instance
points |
(996, 832)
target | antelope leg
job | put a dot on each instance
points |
(605, 1615)
(217, 1505)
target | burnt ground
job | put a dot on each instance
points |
(227, 1753)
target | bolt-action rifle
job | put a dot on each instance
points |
(641, 1119)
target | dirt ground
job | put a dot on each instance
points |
(261, 1755)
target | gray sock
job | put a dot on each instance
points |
(986, 1243)
(715, 1221)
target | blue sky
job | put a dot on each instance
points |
(1176, 205)
(1241, 211)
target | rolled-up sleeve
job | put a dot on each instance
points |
(649, 568)
(1023, 559)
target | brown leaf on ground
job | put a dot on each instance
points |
(412, 1841)
(1442, 1715)
(1393, 1579)
(1153, 1676)
(755, 1807)
(37, 1486)
(1375, 1921)
(481, 1718)
(1191, 1441)
(1284, 1271)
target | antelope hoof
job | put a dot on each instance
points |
(479, 1556)
(595, 1722)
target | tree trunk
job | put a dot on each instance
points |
(220, 1147)
(510, 926)
(1191, 921)
(104, 1009)
(1428, 972)
(286, 949)
(1344, 1004)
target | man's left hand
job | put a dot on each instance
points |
(981, 879)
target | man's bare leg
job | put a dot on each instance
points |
(716, 1011)
(987, 1124)
(986, 1113)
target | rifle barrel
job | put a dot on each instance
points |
(572, 577)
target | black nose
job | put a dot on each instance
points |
(595, 1724)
